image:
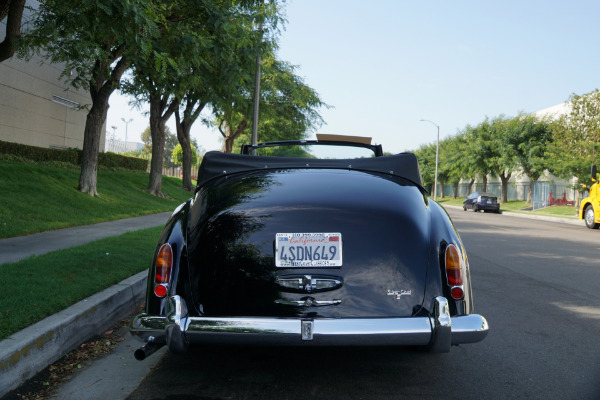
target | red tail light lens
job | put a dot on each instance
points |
(453, 266)
(457, 292)
(160, 291)
(164, 262)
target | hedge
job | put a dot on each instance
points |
(71, 156)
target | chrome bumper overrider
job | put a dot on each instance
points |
(439, 332)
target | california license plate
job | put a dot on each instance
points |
(308, 250)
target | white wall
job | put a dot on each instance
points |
(28, 113)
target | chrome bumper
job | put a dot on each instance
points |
(438, 332)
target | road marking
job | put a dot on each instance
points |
(499, 227)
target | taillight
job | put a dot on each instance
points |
(454, 272)
(160, 290)
(164, 262)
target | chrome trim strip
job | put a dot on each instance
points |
(309, 302)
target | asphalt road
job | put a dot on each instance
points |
(537, 284)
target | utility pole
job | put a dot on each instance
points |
(257, 88)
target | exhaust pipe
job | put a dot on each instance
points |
(147, 350)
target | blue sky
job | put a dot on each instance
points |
(384, 65)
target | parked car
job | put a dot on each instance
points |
(304, 251)
(478, 201)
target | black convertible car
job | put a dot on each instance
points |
(309, 251)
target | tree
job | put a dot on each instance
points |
(528, 139)
(97, 41)
(426, 157)
(12, 12)
(503, 161)
(482, 150)
(177, 155)
(195, 38)
(288, 107)
(575, 138)
(184, 119)
(455, 160)
(168, 146)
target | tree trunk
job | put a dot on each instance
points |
(183, 136)
(228, 144)
(532, 179)
(13, 10)
(158, 120)
(91, 146)
(455, 190)
(229, 136)
(442, 182)
(157, 132)
(504, 177)
(100, 91)
(469, 187)
(484, 181)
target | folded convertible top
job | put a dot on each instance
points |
(216, 164)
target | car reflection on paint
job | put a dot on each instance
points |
(482, 201)
(304, 251)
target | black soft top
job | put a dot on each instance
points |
(216, 164)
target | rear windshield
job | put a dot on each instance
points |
(317, 151)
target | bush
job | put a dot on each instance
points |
(71, 156)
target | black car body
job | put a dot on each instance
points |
(482, 201)
(296, 251)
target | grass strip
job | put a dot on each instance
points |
(37, 198)
(44, 285)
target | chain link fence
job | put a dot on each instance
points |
(544, 194)
(516, 191)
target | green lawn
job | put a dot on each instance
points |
(43, 285)
(36, 198)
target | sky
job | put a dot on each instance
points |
(384, 65)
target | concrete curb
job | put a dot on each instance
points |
(29, 351)
(578, 222)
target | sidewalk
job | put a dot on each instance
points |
(29, 351)
(18, 248)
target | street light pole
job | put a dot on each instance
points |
(126, 126)
(114, 128)
(437, 152)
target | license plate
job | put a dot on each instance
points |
(308, 250)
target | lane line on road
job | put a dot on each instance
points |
(499, 227)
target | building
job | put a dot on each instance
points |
(121, 146)
(37, 107)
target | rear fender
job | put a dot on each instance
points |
(443, 234)
(174, 233)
